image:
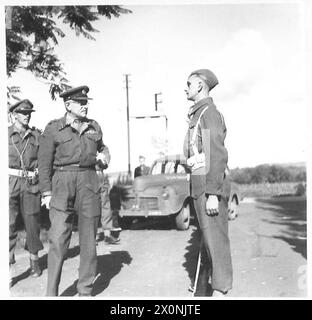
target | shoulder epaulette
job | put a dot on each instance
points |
(37, 130)
(94, 123)
(54, 120)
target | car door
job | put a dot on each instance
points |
(177, 179)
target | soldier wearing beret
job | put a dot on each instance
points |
(69, 150)
(207, 156)
(24, 195)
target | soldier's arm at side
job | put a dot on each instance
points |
(45, 160)
(215, 152)
(103, 151)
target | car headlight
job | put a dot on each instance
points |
(165, 195)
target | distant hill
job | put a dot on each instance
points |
(270, 173)
(291, 164)
(284, 165)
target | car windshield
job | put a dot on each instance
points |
(169, 167)
(157, 168)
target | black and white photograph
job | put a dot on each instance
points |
(155, 150)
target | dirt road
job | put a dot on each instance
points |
(268, 241)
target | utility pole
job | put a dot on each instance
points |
(156, 100)
(128, 123)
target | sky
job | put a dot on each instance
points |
(255, 50)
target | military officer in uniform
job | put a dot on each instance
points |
(24, 195)
(70, 148)
(207, 156)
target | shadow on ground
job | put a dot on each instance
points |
(191, 254)
(20, 277)
(150, 223)
(109, 266)
(190, 264)
(290, 212)
(43, 262)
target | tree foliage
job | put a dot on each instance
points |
(268, 174)
(32, 33)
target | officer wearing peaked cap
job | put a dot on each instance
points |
(22, 106)
(69, 150)
(207, 156)
(24, 196)
(76, 94)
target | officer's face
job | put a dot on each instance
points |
(77, 109)
(22, 118)
(192, 88)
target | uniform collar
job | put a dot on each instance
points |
(204, 102)
(66, 121)
(70, 119)
(14, 130)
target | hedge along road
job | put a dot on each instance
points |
(268, 241)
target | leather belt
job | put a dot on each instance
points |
(21, 173)
(73, 167)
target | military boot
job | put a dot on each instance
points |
(35, 270)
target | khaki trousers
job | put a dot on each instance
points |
(216, 244)
(73, 192)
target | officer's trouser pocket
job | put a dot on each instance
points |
(91, 202)
(63, 193)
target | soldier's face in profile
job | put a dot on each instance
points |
(77, 109)
(22, 118)
(192, 88)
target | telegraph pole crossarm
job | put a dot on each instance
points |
(156, 100)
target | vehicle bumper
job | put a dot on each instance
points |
(141, 213)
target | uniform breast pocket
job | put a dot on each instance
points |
(65, 147)
(92, 143)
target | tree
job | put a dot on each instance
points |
(268, 174)
(32, 34)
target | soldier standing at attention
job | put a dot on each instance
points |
(70, 148)
(207, 156)
(24, 195)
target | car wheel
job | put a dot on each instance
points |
(182, 219)
(232, 210)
